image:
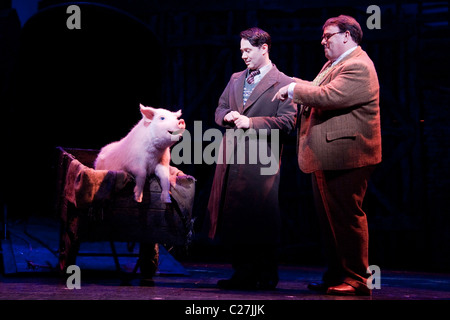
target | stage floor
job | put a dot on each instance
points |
(200, 284)
(34, 245)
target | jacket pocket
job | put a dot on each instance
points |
(341, 134)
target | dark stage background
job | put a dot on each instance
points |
(81, 88)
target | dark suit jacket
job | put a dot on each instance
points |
(341, 130)
(263, 113)
(242, 199)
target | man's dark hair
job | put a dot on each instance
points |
(346, 23)
(257, 37)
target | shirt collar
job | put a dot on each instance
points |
(262, 70)
(342, 56)
(265, 69)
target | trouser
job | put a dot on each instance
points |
(338, 198)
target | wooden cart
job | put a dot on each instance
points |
(98, 205)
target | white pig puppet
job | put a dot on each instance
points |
(145, 150)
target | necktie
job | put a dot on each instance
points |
(251, 77)
(321, 75)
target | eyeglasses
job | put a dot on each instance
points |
(327, 36)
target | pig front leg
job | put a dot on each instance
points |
(139, 188)
(162, 172)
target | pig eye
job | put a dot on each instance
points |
(162, 118)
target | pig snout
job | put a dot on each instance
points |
(176, 135)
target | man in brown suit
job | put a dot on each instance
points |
(339, 142)
(243, 211)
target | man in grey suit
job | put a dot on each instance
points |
(243, 209)
(339, 142)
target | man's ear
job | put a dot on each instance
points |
(265, 47)
(347, 36)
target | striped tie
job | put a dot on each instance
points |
(251, 77)
(321, 75)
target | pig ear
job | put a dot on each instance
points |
(178, 113)
(148, 113)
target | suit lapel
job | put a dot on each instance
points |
(351, 55)
(305, 109)
(266, 82)
(239, 91)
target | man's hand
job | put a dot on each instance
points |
(282, 94)
(231, 116)
(242, 122)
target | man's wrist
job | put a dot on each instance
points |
(291, 90)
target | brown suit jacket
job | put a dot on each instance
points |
(340, 118)
(263, 113)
